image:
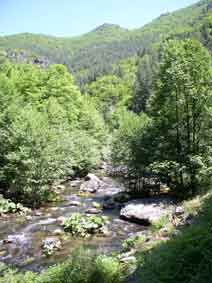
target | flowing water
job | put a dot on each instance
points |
(21, 238)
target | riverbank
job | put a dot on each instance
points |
(190, 222)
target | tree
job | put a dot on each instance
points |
(179, 107)
(130, 127)
(107, 92)
(143, 88)
(48, 130)
(206, 31)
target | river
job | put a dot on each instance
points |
(24, 235)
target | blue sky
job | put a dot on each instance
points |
(75, 17)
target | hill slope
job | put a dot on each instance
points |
(92, 54)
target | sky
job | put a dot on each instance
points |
(75, 17)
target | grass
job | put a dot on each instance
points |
(186, 258)
(82, 267)
(160, 223)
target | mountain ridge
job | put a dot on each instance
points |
(92, 54)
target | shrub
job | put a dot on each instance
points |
(108, 269)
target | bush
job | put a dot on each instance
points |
(108, 269)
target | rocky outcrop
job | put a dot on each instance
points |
(61, 220)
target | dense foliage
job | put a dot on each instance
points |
(47, 129)
(179, 111)
(175, 143)
(113, 93)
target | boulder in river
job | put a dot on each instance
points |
(93, 210)
(144, 212)
(75, 183)
(105, 232)
(16, 239)
(92, 184)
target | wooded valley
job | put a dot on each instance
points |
(106, 153)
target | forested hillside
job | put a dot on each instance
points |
(92, 55)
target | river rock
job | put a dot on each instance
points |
(61, 220)
(96, 205)
(179, 210)
(75, 203)
(60, 187)
(143, 212)
(37, 213)
(16, 239)
(28, 217)
(48, 221)
(92, 184)
(54, 208)
(93, 210)
(129, 260)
